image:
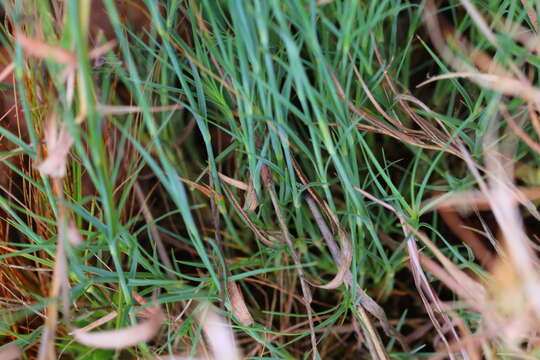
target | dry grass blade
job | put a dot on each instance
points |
(233, 182)
(147, 214)
(429, 298)
(479, 21)
(325, 231)
(434, 268)
(374, 342)
(519, 131)
(122, 338)
(510, 298)
(400, 97)
(46, 347)
(505, 85)
(42, 50)
(513, 287)
(343, 263)
(534, 117)
(238, 303)
(366, 302)
(469, 237)
(496, 78)
(10, 352)
(532, 13)
(374, 101)
(476, 290)
(205, 189)
(102, 320)
(58, 143)
(219, 335)
(146, 312)
(327, 234)
(251, 202)
(481, 59)
(247, 220)
(470, 200)
(101, 50)
(504, 206)
(520, 34)
(486, 31)
(429, 139)
(73, 235)
(60, 280)
(435, 135)
(266, 177)
(438, 137)
(469, 288)
(7, 71)
(369, 118)
(467, 342)
(324, 205)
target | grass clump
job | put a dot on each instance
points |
(277, 179)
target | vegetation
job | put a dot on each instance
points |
(321, 179)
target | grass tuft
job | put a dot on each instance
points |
(271, 179)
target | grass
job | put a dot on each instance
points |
(278, 160)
